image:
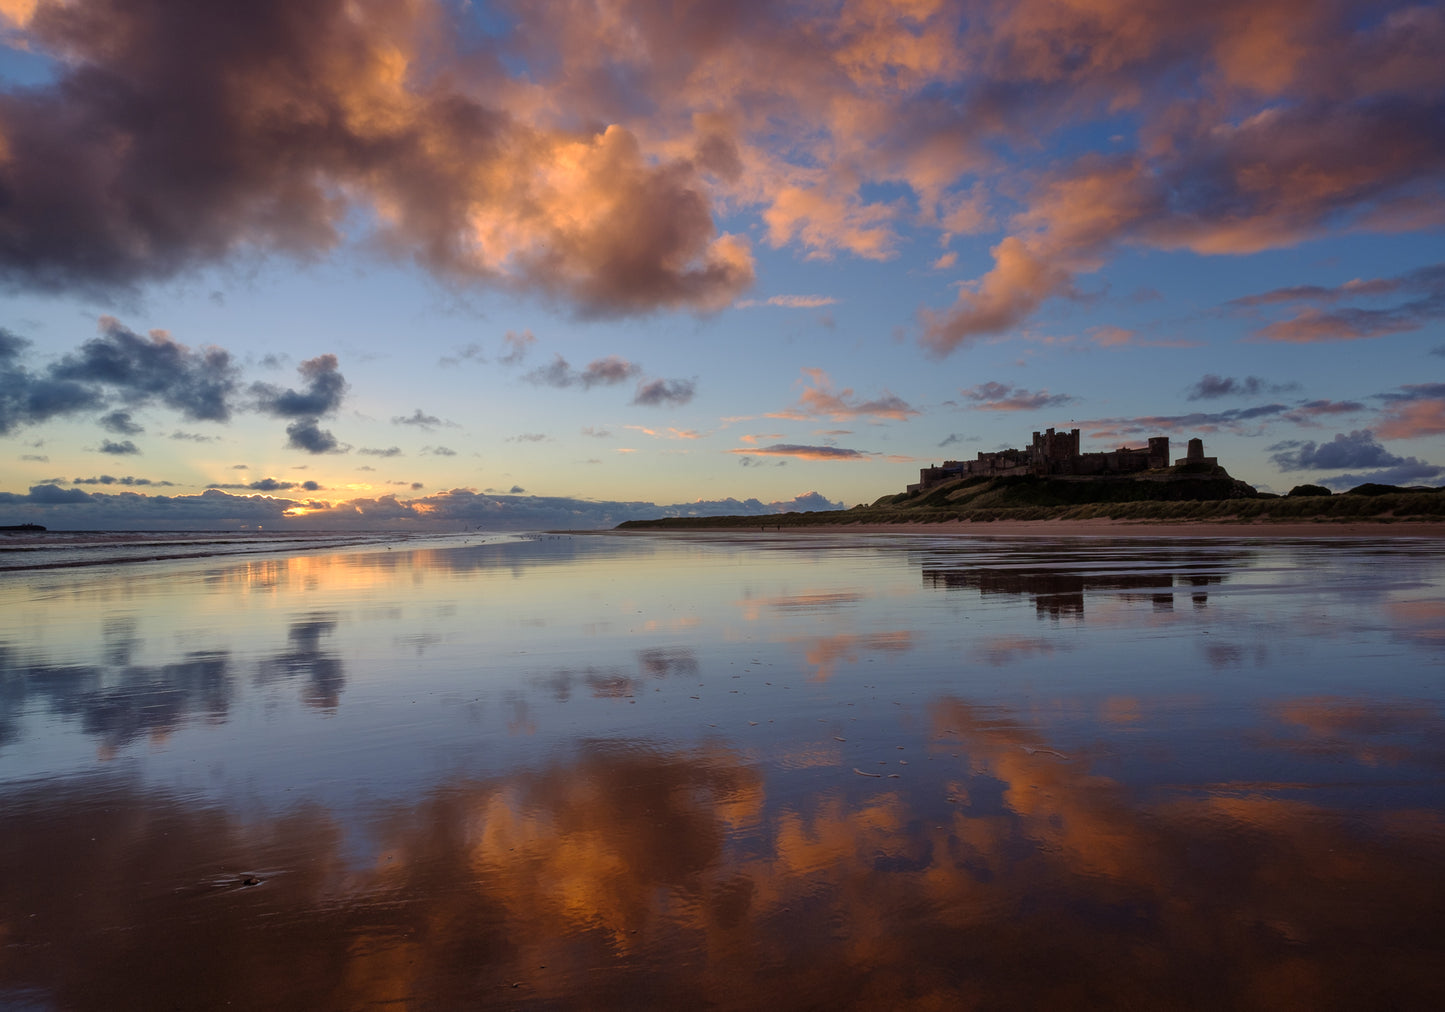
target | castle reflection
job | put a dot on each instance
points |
(1058, 580)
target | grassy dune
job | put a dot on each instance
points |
(1168, 496)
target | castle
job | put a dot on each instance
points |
(1057, 453)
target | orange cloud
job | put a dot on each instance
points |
(821, 401)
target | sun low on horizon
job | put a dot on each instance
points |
(354, 263)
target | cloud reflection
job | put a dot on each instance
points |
(627, 874)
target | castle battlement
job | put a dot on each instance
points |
(1057, 453)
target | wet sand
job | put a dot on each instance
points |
(1102, 528)
(807, 770)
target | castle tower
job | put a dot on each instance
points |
(1158, 451)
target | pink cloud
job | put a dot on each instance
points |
(821, 400)
(1411, 418)
(802, 452)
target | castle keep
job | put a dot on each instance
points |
(1057, 453)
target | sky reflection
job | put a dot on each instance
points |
(630, 771)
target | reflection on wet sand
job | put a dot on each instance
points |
(1057, 581)
(622, 773)
(1010, 876)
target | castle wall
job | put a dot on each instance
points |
(1057, 453)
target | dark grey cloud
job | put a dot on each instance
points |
(325, 388)
(106, 479)
(663, 392)
(307, 434)
(1196, 421)
(1212, 386)
(270, 485)
(198, 384)
(529, 437)
(217, 508)
(516, 490)
(47, 494)
(194, 437)
(439, 451)
(1415, 392)
(994, 396)
(390, 451)
(418, 419)
(1356, 449)
(607, 371)
(27, 399)
(121, 423)
(123, 448)
(469, 353)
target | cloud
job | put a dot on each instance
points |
(1211, 387)
(994, 396)
(516, 490)
(270, 485)
(325, 388)
(438, 451)
(121, 423)
(608, 371)
(216, 508)
(529, 437)
(469, 353)
(516, 345)
(1424, 302)
(121, 364)
(802, 452)
(1358, 449)
(418, 419)
(375, 113)
(1309, 413)
(821, 400)
(790, 302)
(1021, 279)
(1232, 420)
(197, 384)
(585, 158)
(120, 449)
(1418, 409)
(664, 392)
(128, 480)
(307, 434)
(193, 437)
(390, 451)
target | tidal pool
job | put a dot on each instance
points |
(781, 771)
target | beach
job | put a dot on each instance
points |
(1106, 528)
(947, 766)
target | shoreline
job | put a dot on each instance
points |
(1083, 528)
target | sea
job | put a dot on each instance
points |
(740, 770)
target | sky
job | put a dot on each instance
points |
(438, 264)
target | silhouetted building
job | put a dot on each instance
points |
(1057, 453)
